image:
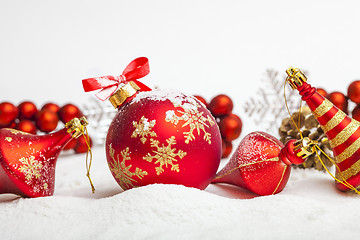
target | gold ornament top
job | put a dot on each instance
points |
(119, 97)
(305, 147)
(76, 126)
(295, 77)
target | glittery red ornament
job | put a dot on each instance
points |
(354, 91)
(220, 105)
(68, 112)
(27, 161)
(46, 120)
(26, 126)
(230, 127)
(260, 164)
(8, 113)
(157, 136)
(27, 110)
(339, 100)
(52, 107)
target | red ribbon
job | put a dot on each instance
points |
(138, 68)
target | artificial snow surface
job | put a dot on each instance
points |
(309, 207)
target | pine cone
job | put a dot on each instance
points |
(309, 127)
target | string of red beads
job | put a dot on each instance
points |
(230, 124)
(341, 100)
(28, 118)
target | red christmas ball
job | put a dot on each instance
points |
(230, 127)
(68, 112)
(356, 113)
(46, 120)
(52, 107)
(226, 149)
(339, 100)
(201, 99)
(27, 110)
(26, 126)
(354, 91)
(221, 105)
(322, 91)
(81, 145)
(163, 137)
(70, 145)
(8, 113)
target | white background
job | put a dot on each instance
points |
(197, 47)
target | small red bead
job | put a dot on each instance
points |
(8, 113)
(354, 91)
(339, 100)
(322, 92)
(221, 105)
(46, 120)
(226, 148)
(81, 145)
(68, 112)
(201, 99)
(27, 110)
(230, 127)
(51, 106)
(26, 126)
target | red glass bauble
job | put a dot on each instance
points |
(230, 127)
(260, 164)
(81, 145)
(354, 91)
(163, 137)
(27, 110)
(339, 100)
(322, 92)
(201, 99)
(46, 120)
(355, 114)
(70, 145)
(52, 107)
(27, 161)
(8, 113)
(226, 148)
(68, 112)
(26, 126)
(220, 105)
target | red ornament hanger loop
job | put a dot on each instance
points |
(136, 69)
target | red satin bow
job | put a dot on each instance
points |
(138, 68)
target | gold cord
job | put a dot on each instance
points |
(316, 147)
(85, 133)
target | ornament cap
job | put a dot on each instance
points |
(304, 147)
(126, 91)
(295, 77)
(76, 126)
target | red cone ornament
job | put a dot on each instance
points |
(342, 131)
(157, 136)
(260, 163)
(27, 161)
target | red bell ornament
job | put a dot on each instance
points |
(27, 161)
(342, 131)
(260, 163)
(157, 136)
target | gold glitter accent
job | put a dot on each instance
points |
(345, 134)
(14, 131)
(9, 139)
(121, 171)
(324, 107)
(274, 159)
(45, 186)
(193, 118)
(334, 121)
(165, 155)
(348, 152)
(143, 128)
(351, 171)
(31, 167)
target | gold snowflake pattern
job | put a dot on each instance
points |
(121, 171)
(143, 129)
(165, 155)
(31, 167)
(192, 118)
